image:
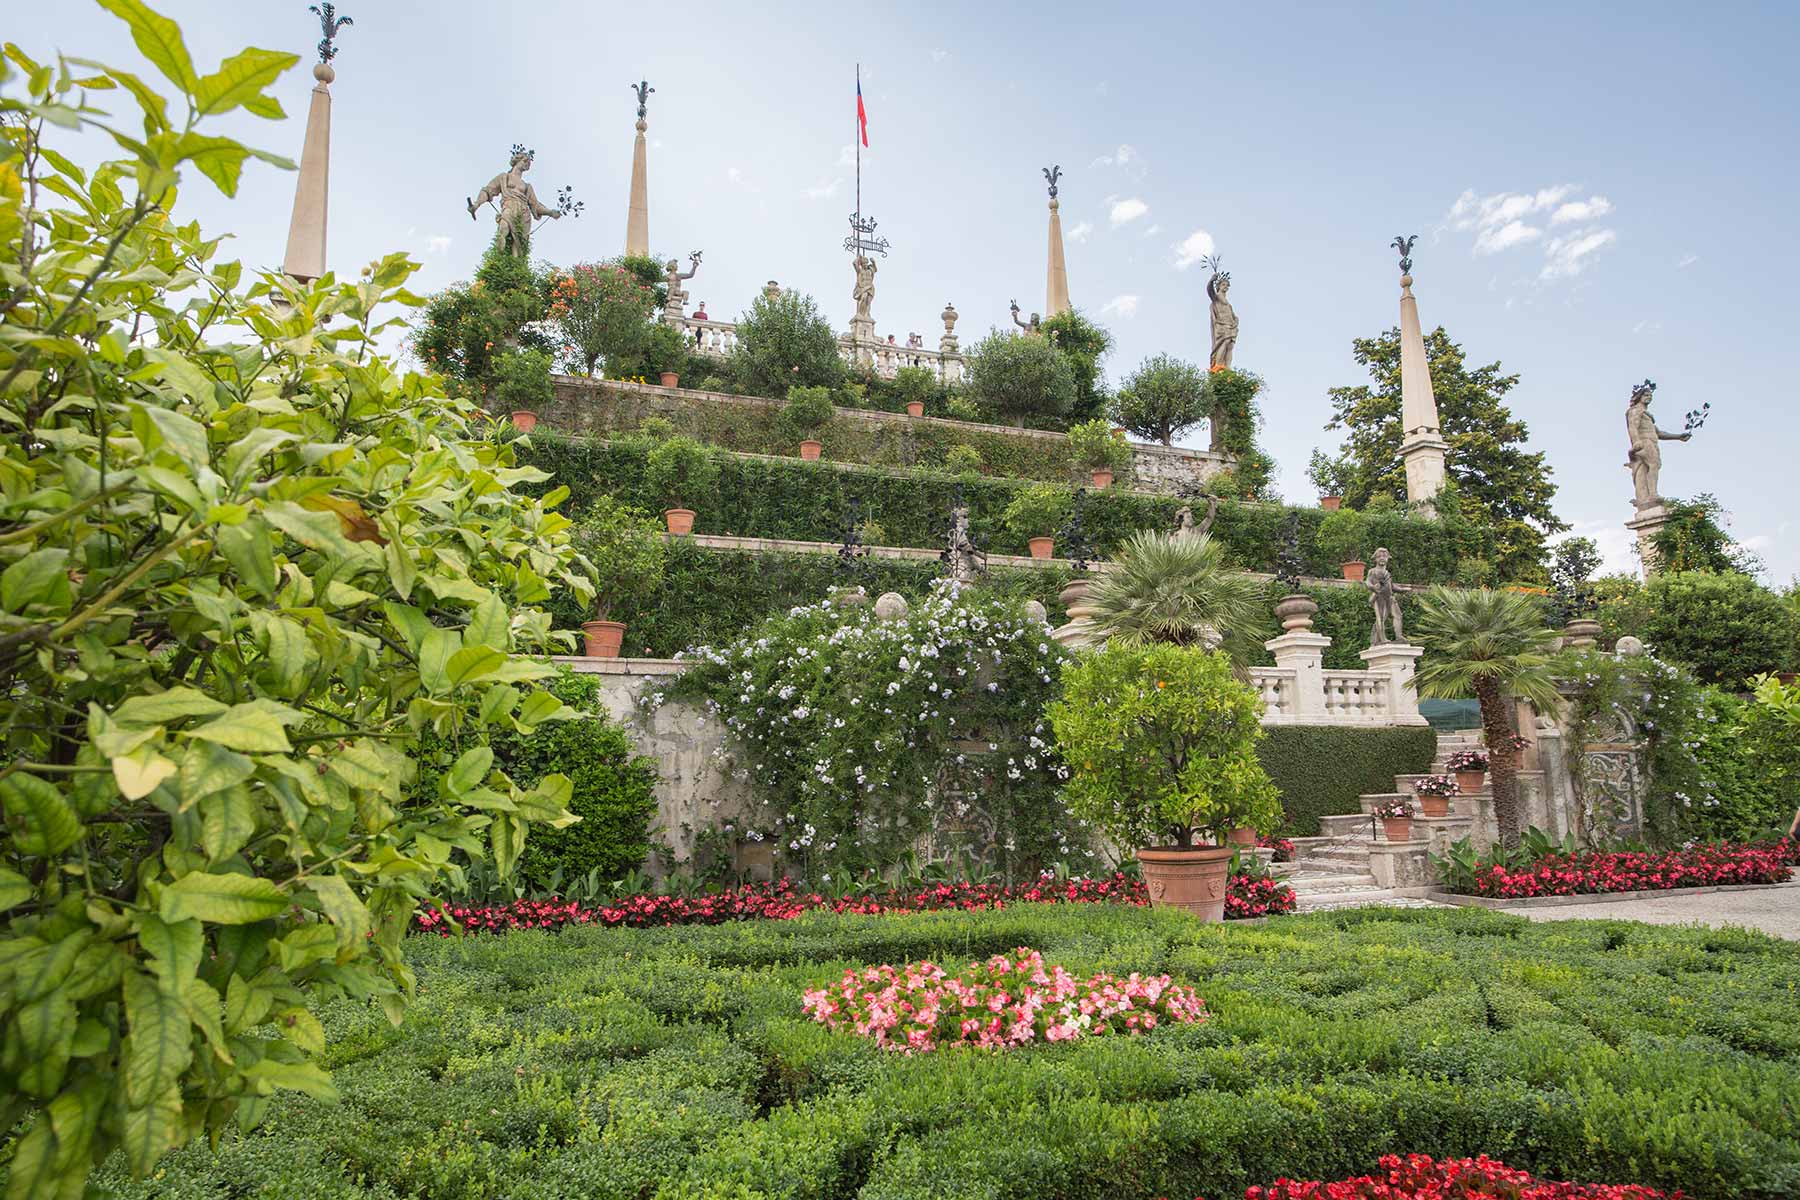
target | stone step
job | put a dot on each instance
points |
(1313, 882)
(1351, 826)
(1352, 899)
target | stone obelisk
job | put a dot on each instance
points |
(1422, 443)
(637, 215)
(305, 258)
(1056, 276)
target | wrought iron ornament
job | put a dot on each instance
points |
(643, 89)
(1288, 563)
(862, 237)
(1073, 538)
(1211, 262)
(566, 204)
(1404, 245)
(1646, 389)
(1696, 417)
(330, 22)
(853, 554)
(1051, 175)
(519, 149)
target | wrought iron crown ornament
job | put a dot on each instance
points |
(1051, 175)
(643, 89)
(1404, 245)
(519, 151)
(1646, 389)
(330, 22)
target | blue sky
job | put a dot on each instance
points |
(1603, 193)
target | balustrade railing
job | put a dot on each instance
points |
(1358, 695)
(1276, 686)
(717, 339)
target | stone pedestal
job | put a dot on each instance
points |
(862, 340)
(1400, 662)
(1304, 653)
(1400, 864)
(1079, 633)
(1645, 526)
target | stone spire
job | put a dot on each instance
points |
(1056, 279)
(637, 216)
(1422, 444)
(305, 258)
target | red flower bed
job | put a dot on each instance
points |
(1245, 897)
(1418, 1177)
(1284, 849)
(1631, 871)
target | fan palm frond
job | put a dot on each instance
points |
(1179, 589)
(1476, 635)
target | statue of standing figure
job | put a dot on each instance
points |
(1224, 317)
(864, 292)
(1382, 598)
(519, 205)
(675, 303)
(1645, 456)
(1033, 327)
(967, 561)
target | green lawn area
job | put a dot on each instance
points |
(677, 1064)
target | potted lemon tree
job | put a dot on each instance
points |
(1099, 451)
(1160, 742)
(681, 473)
(625, 550)
(1036, 513)
(1341, 538)
(808, 410)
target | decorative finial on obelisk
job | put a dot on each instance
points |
(1422, 443)
(637, 214)
(305, 258)
(1056, 277)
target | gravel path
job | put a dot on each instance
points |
(1775, 910)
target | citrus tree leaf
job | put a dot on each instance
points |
(222, 899)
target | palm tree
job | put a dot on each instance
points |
(1494, 644)
(1178, 588)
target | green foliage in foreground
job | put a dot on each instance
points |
(677, 1064)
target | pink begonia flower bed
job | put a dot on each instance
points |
(1009, 1000)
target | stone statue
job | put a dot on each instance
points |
(675, 304)
(519, 205)
(1645, 457)
(1034, 327)
(864, 293)
(1184, 518)
(1224, 317)
(965, 559)
(1380, 582)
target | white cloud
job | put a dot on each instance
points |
(1647, 326)
(439, 244)
(1687, 260)
(939, 55)
(1153, 231)
(1191, 249)
(1591, 209)
(847, 155)
(1079, 231)
(1127, 210)
(1120, 306)
(1513, 233)
(824, 191)
(1566, 257)
(1124, 156)
(733, 175)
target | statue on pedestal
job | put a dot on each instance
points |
(1034, 327)
(1224, 317)
(864, 292)
(965, 559)
(675, 303)
(1380, 582)
(1645, 456)
(519, 205)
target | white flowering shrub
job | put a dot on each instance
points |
(863, 735)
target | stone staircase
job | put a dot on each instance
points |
(1332, 869)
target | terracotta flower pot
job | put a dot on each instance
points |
(1353, 570)
(1468, 782)
(1330, 503)
(809, 450)
(1189, 877)
(1435, 806)
(1118, 431)
(523, 420)
(915, 408)
(603, 638)
(1103, 478)
(680, 520)
(1041, 547)
(1787, 677)
(1397, 829)
(1243, 835)
(670, 379)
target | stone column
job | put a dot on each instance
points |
(1645, 526)
(1079, 633)
(305, 259)
(1056, 283)
(637, 216)
(950, 347)
(1304, 652)
(1400, 662)
(1422, 443)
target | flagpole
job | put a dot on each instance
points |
(857, 140)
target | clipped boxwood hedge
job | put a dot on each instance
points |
(1322, 769)
(788, 498)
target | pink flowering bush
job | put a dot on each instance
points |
(1418, 1177)
(1006, 1001)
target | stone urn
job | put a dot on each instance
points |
(679, 520)
(809, 450)
(1041, 547)
(915, 408)
(1353, 570)
(670, 379)
(1295, 612)
(1397, 829)
(1189, 877)
(1582, 633)
(603, 638)
(1102, 477)
(1330, 503)
(523, 419)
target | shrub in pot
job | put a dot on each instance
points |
(1331, 477)
(521, 386)
(681, 473)
(1434, 792)
(1036, 513)
(665, 351)
(808, 410)
(625, 551)
(1160, 743)
(1469, 767)
(1396, 818)
(1100, 451)
(914, 384)
(1341, 537)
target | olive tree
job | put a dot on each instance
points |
(245, 565)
